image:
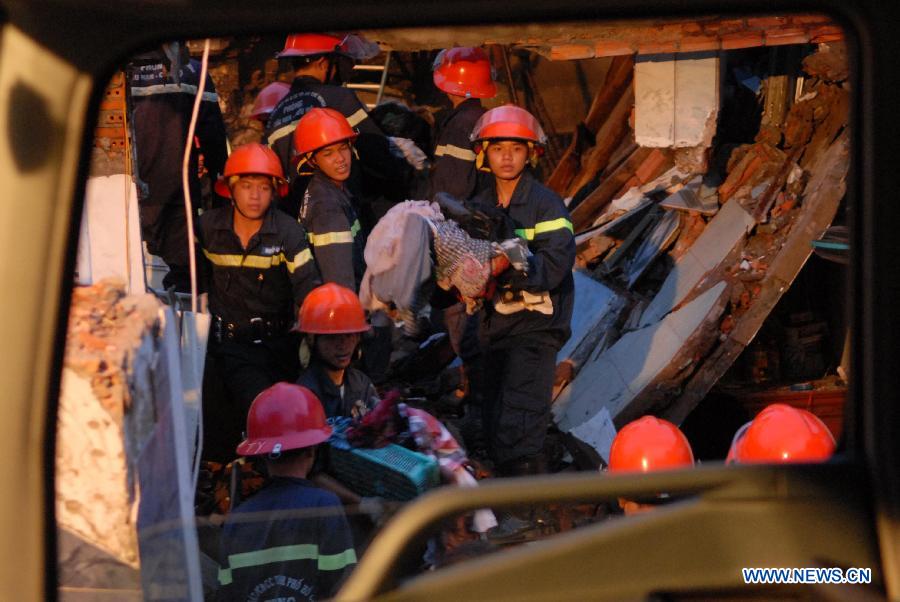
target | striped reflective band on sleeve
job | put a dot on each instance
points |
(357, 118)
(335, 238)
(326, 562)
(544, 227)
(172, 89)
(282, 132)
(454, 151)
(259, 262)
(300, 259)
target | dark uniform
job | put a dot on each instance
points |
(254, 296)
(294, 557)
(162, 107)
(520, 348)
(352, 400)
(337, 243)
(378, 165)
(454, 169)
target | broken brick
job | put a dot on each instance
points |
(746, 39)
(657, 47)
(699, 43)
(612, 48)
(786, 36)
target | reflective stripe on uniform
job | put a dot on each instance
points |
(544, 227)
(259, 262)
(357, 118)
(281, 132)
(454, 151)
(172, 89)
(307, 551)
(335, 238)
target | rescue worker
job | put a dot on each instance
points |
(782, 434)
(528, 320)
(313, 58)
(324, 141)
(267, 99)
(465, 75)
(333, 321)
(259, 269)
(163, 85)
(290, 540)
(648, 444)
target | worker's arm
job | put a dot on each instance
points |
(298, 258)
(331, 236)
(553, 246)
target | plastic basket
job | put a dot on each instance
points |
(391, 472)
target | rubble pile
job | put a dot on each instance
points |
(95, 485)
(666, 235)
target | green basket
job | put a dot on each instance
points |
(391, 472)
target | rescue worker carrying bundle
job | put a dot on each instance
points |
(528, 319)
(259, 269)
(313, 58)
(323, 141)
(291, 540)
(648, 444)
(782, 434)
(465, 75)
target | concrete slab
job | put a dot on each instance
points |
(592, 299)
(676, 99)
(628, 369)
(724, 231)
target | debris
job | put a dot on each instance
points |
(662, 236)
(622, 379)
(725, 231)
(694, 196)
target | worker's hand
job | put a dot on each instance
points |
(374, 508)
(406, 148)
(516, 250)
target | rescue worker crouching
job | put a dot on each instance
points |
(259, 269)
(332, 320)
(290, 540)
(648, 444)
(528, 320)
(323, 140)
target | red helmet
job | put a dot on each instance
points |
(252, 159)
(320, 127)
(311, 44)
(782, 434)
(465, 72)
(283, 417)
(268, 98)
(649, 444)
(332, 309)
(508, 121)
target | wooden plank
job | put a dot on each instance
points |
(585, 213)
(610, 135)
(618, 78)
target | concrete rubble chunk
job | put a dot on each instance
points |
(724, 231)
(629, 368)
